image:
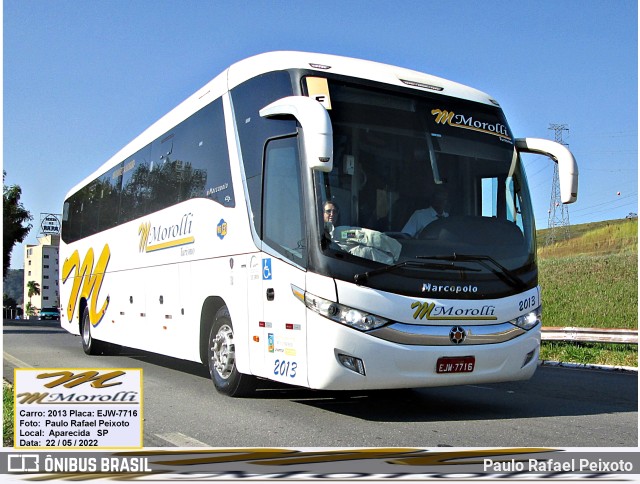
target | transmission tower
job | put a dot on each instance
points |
(558, 212)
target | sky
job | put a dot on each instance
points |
(82, 78)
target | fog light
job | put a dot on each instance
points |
(352, 363)
(528, 358)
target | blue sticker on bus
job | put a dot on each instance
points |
(271, 343)
(266, 270)
(221, 229)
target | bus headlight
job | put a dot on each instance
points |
(339, 313)
(529, 320)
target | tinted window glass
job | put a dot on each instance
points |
(283, 225)
(134, 195)
(248, 99)
(190, 161)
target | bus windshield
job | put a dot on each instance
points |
(425, 182)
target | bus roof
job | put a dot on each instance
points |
(348, 66)
(251, 67)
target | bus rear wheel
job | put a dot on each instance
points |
(221, 355)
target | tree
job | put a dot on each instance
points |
(14, 215)
(8, 301)
(33, 289)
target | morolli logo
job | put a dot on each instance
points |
(468, 122)
(158, 237)
(431, 312)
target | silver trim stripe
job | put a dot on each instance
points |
(425, 335)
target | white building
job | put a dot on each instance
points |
(41, 265)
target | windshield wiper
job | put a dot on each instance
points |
(502, 272)
(361, 278)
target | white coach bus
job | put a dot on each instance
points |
(316, 220)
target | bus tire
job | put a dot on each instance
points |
(90, 345)
(221, 358)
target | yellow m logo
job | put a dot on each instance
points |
(143, 232)
(443, 117)
(69, 379)
(86, 282)
(422, 309)
(31, 397)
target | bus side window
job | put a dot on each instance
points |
(489, 197)
(135, 192)
(282, 219)
(248, 98)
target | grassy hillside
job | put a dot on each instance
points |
(598, 238)
(591, 279)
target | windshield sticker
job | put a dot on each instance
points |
(318, 89)
(468, 122)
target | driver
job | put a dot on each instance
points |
(330, 212)
(424, 216)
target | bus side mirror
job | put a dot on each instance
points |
(317, 133)
(567, 166)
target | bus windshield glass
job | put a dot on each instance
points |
(423, 181)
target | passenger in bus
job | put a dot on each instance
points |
(424, 216)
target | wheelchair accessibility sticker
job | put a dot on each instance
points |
(266, 270)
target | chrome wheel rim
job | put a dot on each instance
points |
(86, 332)
(223, 355)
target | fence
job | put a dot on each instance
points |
(591, 335)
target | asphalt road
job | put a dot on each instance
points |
(558, 407)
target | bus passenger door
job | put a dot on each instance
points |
(282, 262)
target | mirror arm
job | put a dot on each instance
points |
(567, 166)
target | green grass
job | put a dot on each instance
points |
(7, 415)
(591, 280)
(593, 291)
(590, 353)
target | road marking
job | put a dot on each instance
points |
(181, 440)
(15, 361)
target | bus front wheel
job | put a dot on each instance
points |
(90, 345)
(221, 355)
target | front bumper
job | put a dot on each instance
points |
(404, 364)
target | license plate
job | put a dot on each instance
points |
(457, 364)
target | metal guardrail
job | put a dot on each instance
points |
(586, 335)
(591, 335)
